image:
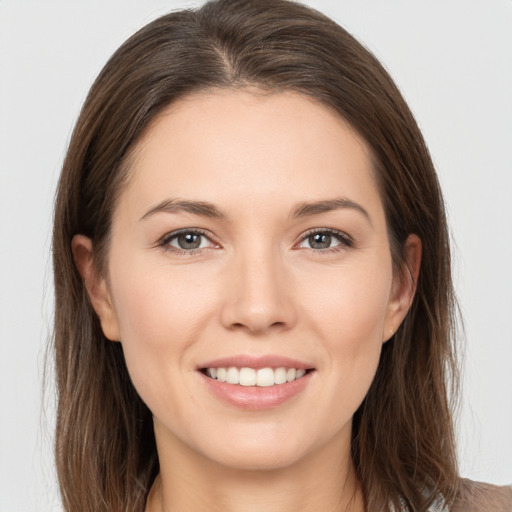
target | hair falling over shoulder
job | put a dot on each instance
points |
(403, 442)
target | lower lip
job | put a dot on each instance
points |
(256, 398)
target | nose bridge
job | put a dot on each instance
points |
(258, 293)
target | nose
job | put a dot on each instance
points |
(258, 294)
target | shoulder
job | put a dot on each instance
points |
(480, 497)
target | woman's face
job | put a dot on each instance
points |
(250, 243)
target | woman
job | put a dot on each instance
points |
(254, 308)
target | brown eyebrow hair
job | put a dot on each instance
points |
(306, 209)
(202, 208)
(206, 209)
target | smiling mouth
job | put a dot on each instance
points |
(251, 377)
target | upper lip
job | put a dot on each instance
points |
(250, 361)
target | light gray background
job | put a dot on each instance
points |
(452, 60)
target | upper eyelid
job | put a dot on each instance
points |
(165, 239)
(177, 232)
(336, 232)
(325, 230)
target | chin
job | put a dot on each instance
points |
(259, 452)
(257, 460)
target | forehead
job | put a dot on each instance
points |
(257, 148)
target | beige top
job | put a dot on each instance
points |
(480, 497)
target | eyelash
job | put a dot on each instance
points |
(346, 241)
(169, 237)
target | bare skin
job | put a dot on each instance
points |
(251, 491)
(292, 260)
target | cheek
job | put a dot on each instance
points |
(349, 304)
(160, 313)
(349, 318)
(158, 306)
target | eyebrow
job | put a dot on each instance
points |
(201, 208)
(205, 209)
(306, 209)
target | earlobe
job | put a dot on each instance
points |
(95, 285)
(404, 287)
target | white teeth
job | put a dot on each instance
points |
(232, 376)
(221, 374)
(280, 376)
(291, 373)
(263, 377)
(247, 377)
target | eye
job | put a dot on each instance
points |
(325, 240)
(186, 241)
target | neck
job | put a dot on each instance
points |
(320, 481)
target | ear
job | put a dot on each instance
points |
(96, 286)
(403, 288)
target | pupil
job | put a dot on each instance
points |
(320, 241)
(189, 241)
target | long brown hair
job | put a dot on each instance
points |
(403, 443)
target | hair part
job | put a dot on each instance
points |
(403, 443)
